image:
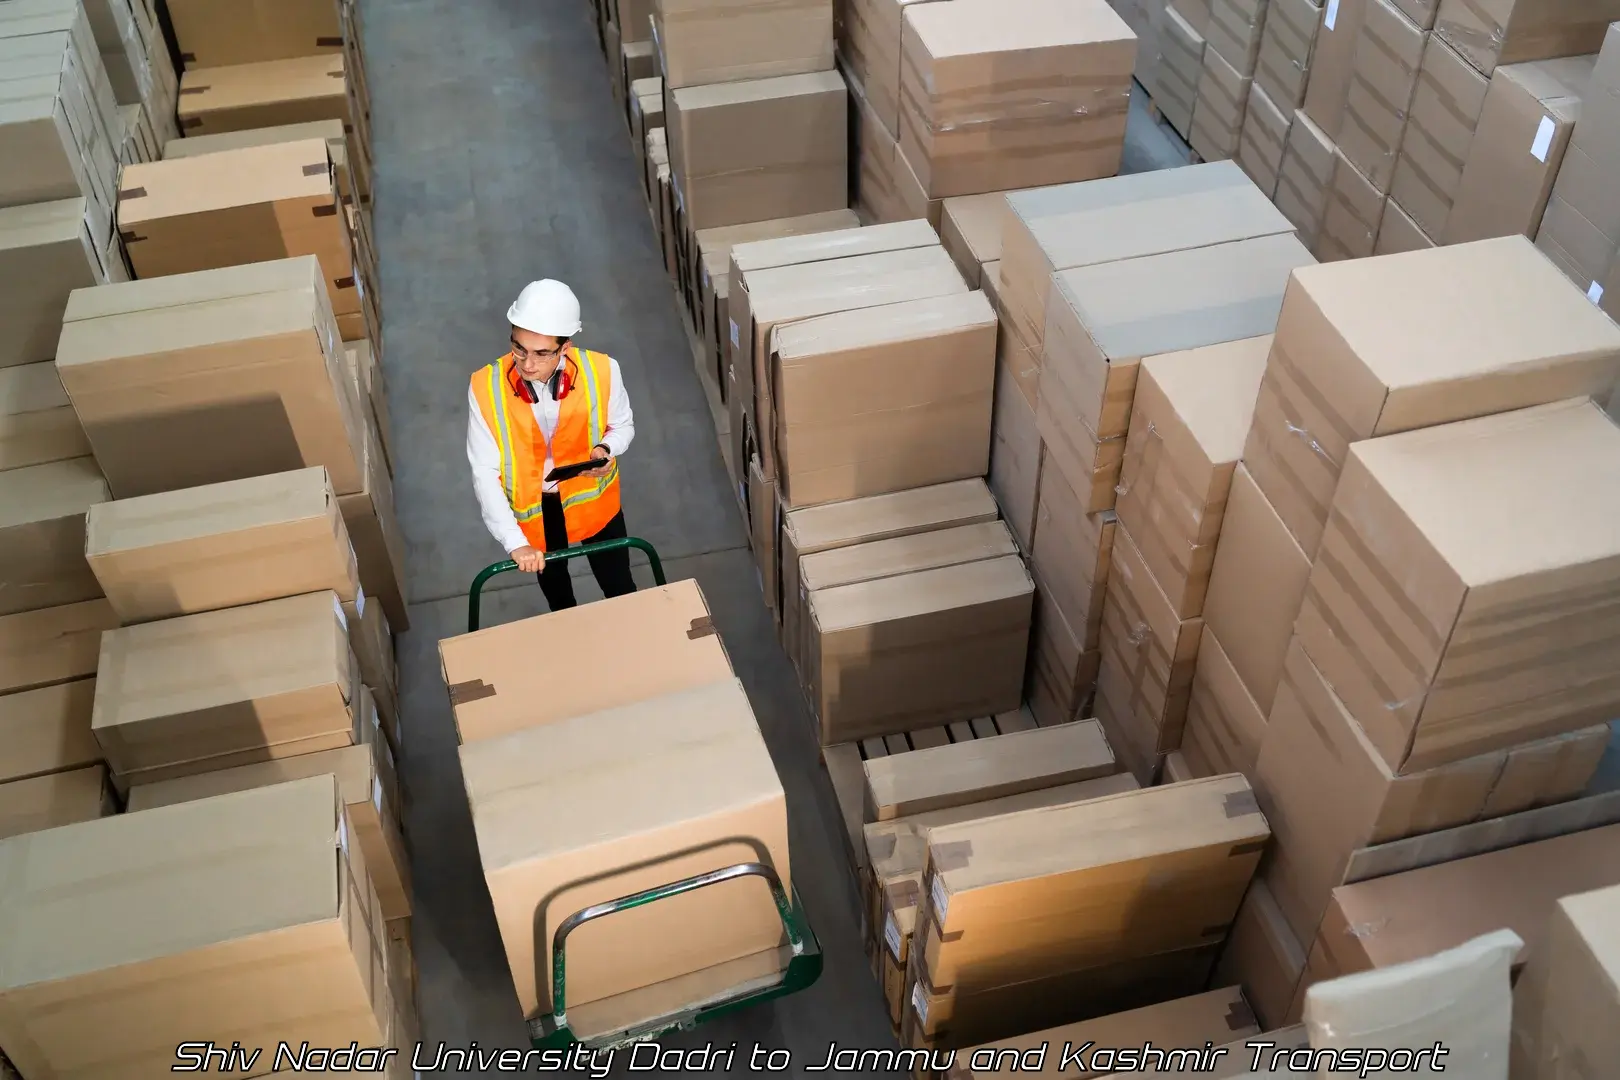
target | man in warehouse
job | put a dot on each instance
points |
(547, 405)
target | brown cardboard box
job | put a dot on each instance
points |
(1531, 107)
(871, 560)
(47, 731)
(368, 784)
(664, 642)
(1148, 655)
(635, 19)
(968, 126)
(373, 528)
(226, 688)
(1143, 17)
(714, 41)
(759, 150)
(1062, 674)
(1225, 725)
(51, 801)
(1332, 60)
(1002, 909)
(46, 251)
(1255, 588)
(918, 650)
(1355, 209)
(765, 523)
(1264, 139)
(1192, 412)
(1286, 46)
(1383, 80)
(1327, 793)
(1430, 503)
(637, 61)
(1574, 1015)
(42, 512)
(876, 187)
(1194, 12)
(1515, 31)
(1582, 227)
(1408, 341)
(1070, 556)
(52, 645)
(221, 546)
(912, 196)
(245, 96)
(1174, 78)
(1223, 97)
(255, 204)
(245, 361)
(956, 774)
(213, 33)
(927, 369)
(1439, 132)
(1305, 178)
(1397, 232)
(1263, 957)
(1234, 32)
(1126, 217)
(1103, 320)
(868, 33)
(271, 850)
(702, 795)
(1015, 450)
(970, 228)
(1184, 1023)
(337, 146)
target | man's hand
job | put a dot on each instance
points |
(601, 454)
(529, 560)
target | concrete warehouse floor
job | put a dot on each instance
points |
(500, 159)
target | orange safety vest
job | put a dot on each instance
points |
(589, 503)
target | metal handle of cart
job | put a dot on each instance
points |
(802, 970)
(475, 594)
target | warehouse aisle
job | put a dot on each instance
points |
(500, 158)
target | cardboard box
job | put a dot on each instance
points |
(912, 197)
(665, 642)
(1305, 177)
(1332, 60)
(42, 513)
(1573, 1012)
(1174, 1025)
(1191, 415)
(1223, 97)
(254, 204)
(1383, 80)
(1433, 336)
(49, 802)
(1439, 133)
(970, 229)
(267, 94)
(956, 774)
(705, 797)
(1255, 588)
(245, 361)
(1586, 229)
(1429, 499)
(1516, 31)
(874, 173)
(1103, 320)
(221, 546)
(214, 33)
(373, 528)
(1328, 793)
(1148, 654)
(922, 649)
(47, 730)
(1015, 450)
(305, 906)
(1001, 908)
(1397, 232)
(52, 645)
(868, 36)
(1287, 43)
(635, 19)
(46, 251)
(761, 149)
(1062, 673)
(927, 369)
(1070, 555)
(1225, 725)
(1195, 12)
(1263, 957)
(1174, 78)
(368, 785)
(37, 422)
(337, 146)
(700, 42)
(967, 126)
(1264, 139)
(1531, 107)
(226, 688)
(851, 564)
(1234, 32)
(1355, 209)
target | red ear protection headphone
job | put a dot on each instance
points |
(561, 383)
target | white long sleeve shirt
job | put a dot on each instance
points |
(484, 453)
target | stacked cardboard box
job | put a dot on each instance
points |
(1581, 229)
(1566, 1004)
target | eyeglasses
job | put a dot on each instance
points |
(520, 354)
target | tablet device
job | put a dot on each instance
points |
(568, 472)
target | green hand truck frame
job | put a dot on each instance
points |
(803, 949)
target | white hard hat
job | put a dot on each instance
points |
(546, 307)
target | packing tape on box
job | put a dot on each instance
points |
(701, 627)
(1240, 1016)
(1240, 803)
(462, 693)
(950, 856)
(902, 894)
(880, 846)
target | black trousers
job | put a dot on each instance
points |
(612, 569)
